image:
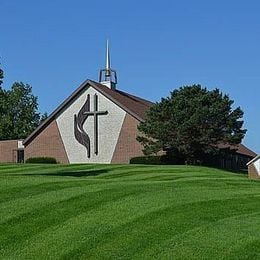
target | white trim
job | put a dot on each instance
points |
(253, 160)
(20, 144)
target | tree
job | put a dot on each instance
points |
(191, 122)
(19, 112)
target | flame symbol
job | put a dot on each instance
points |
(79, 120)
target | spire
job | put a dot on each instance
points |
(108, 57)
(108, 76)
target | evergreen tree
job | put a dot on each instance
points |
(190, 123)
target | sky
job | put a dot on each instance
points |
(156, 47)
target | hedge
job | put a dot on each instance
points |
(146, 160)
(41, 160)
(157, 160)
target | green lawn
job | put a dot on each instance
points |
(127, 212)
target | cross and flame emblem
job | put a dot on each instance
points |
(80, 134)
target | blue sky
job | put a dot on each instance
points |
(156, 46)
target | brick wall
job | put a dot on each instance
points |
(47, 144)
(127, 145)
(8, 151)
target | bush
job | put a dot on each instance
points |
(41, 160)
(168, 158)
(146, 160)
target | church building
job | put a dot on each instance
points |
(97, 123)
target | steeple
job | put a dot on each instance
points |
(108, 76)
(108, 57)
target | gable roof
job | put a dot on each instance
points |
(133, 105)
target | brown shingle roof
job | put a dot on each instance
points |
(132, 104)
(241, 149)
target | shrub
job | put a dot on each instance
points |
(168, 158)
(41, 160)
(146, 160)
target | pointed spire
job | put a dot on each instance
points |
(108, 76)
(108, 57)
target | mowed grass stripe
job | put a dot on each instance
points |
(229, 238)
(36, 189)
(133, 212)
(105, 236)
(141, 237)
(40, 220)
(12, 209)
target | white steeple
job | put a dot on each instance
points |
(108, 57)
(108, 76)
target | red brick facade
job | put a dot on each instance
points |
(8, 151)
(47, 143)
(127, 145)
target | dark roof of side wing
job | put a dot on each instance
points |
(240, 149)
(246, 151)
(133, 105)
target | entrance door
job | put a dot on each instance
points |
(20, 156)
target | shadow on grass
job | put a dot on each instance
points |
(71, 173)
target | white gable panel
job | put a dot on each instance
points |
(109, 127)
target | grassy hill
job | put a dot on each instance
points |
(127, 212)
